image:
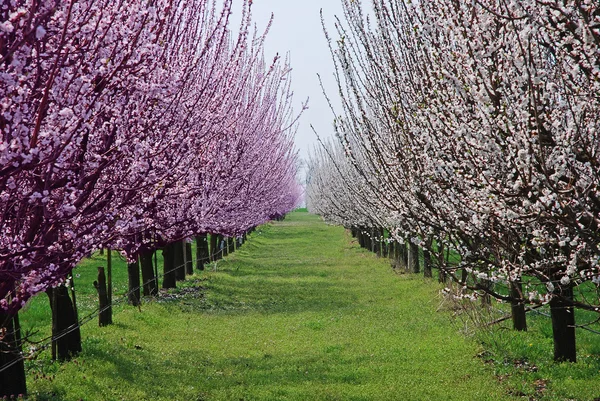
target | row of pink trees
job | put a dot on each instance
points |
(130, 125)
(474, 127)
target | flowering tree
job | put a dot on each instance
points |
(481, 119)
(106, 107)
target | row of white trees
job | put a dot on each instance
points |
(474, 127)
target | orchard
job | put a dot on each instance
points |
(130, 125)
(467, 144)
(471, 129)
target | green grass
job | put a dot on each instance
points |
(524, 360)
(298, 313)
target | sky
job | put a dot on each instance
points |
(297, 29)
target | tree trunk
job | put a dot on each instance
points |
(377, 232)
(189, 262)
(395, 255)
(179, 260)
(404, 255)
(133, 279)
(65, 325)
(361, 237)
(441, 263)
(12, 378)
(517, 308)
(373, 240)
(105, 315)
(427, 270)
(214, 252)
(368, 241)
(563, 326)
(150, 286)
(223, 246)
(201, 251)
(231, 244)
(486, 299)
(413, 258)
(168, 267)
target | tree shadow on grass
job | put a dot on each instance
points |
(277, 376)
(286, 296)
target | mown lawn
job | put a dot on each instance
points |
(298, 313)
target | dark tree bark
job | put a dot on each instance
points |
(168, 267)
(378, 234)
(361, 237)
(149, 283)
(413, 258)
(368, 241)
(109, 276)
(214, 240)
(231, 244)
(441, 263)
(133, 279)
(12, 378)
(519, 317)
(65, 324)
(179, 260)
(105, 315)
(404, 254)
(395, 255)
(563, 325)
(201, 251)
(385, 248)
(427, 269)
(373, 240)
(223, 246)
(189, 262)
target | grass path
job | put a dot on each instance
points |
(299, 313)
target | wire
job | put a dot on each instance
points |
(50, 339)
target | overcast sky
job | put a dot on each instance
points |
(297, 29)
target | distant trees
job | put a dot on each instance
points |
(131, 125)
(471, 127)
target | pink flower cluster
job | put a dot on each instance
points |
(124, 123)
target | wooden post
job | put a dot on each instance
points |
(109, 276)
